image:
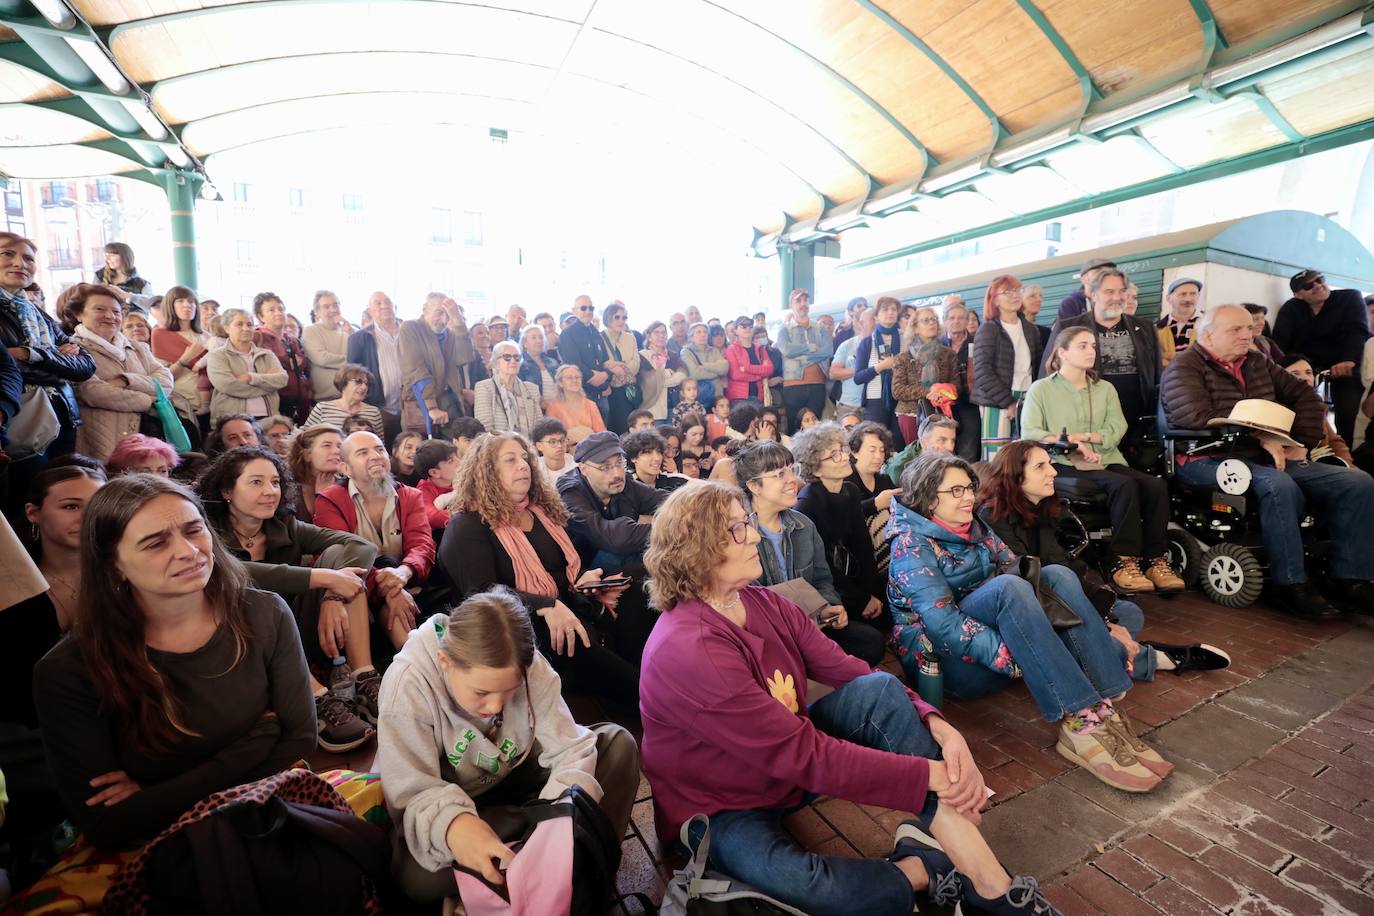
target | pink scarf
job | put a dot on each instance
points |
(530, 574)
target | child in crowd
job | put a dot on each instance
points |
(466, 702)
(436, 464)
(551, 440)
(718, 423)
(687, 401)
(465, 430)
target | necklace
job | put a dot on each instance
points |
(247, 542)
(727, 605)
(55, 579)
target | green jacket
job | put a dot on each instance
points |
(1053, 404)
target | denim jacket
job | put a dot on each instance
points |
(804, 553)
(795, 343)
(932, 569)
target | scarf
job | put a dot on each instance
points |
(512, 405)
(530, 575)
(927, 356)
(37, 332)
(886, 342)
(117, 349)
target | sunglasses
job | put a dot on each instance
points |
(509, 357)
(586, 308)
(1313, 282)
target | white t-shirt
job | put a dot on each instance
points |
(1021, 365)
(552, 476)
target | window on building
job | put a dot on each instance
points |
(245, 250)
(297, 198)
(17, 226)
(14, 204)
(106, 190)
(55, 192)
(353, 202)
(242, 191)
(472, 227)
(440, 225)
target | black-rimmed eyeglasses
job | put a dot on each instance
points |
(739, 531)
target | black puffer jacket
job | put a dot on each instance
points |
(47, 366)
(994, 362)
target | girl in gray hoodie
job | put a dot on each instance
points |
(471, 716)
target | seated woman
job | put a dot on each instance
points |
(1072, 398)
(871, 445)
(247, 496)
(466, 701)
(728, 733)
(789, 547)
(315, 461)
(352, 382)
(56, 502)
(577, 411)
(505, 402)
(140, 454)
(836, 506)
(403, 458)
(951, 601)
(177, 680)
(127, 375)
(510, 529)
(1019, 505)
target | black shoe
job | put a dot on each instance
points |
(1022, 897)
(340, 727)
(1197, 657)
(945, 885)
(366, 688)
(1354, 594)
(1302, 600)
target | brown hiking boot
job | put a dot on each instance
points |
(1148, 757)
(1127, 576)
(1163, 576)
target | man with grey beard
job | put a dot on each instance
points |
(374, 506)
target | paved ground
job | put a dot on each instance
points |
(1270, 809)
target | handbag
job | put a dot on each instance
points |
(1060, 615)
(173, 433)
(35, 426)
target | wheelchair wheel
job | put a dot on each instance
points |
(1231, 576)
(1185, 555)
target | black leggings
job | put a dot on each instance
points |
(1139, 504)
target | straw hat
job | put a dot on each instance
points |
(1274, 420)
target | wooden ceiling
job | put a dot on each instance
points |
(835, 97)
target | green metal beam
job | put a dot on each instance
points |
(998, 130)
(1085, 79)
(181, 191)
(1266, 106)
(1212, 38)
(1355, 133)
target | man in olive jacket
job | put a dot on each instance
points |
(1203, 383)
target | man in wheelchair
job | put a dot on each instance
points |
(1200, 388)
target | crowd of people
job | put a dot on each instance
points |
(251, 537)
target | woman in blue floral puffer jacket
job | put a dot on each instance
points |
(950, 601)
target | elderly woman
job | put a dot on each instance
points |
(505, 402)
(728, 733)
(871, 446)
(572, 406)
(125, 385)
(272, 334)
(704, 363)
(181, 344)
(137, 329)
(953, 601)
(624, 366)
(511, 529)
(790, 548)
(1006, 355)
(537, 364)
(923, 363)
(1072, 399)
(659, 370)
(1019, 505)
(836, 506)
(246, 377)
(352, 382)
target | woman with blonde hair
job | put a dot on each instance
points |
(511, 529)
(465, 704)
(728, 733)
(923, 363)
(577, 411)
(505, 401)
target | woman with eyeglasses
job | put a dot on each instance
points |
(750, 365)
(729, 733)
(578, 412)
(465, 704)
(957, 597)
(623, 365)
(789, 546)
(836, 507)
(1006, 356)
(505, 402)
(923, 363)
(352, 381)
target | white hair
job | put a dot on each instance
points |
(1207, 321)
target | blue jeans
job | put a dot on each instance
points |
(1346, 496)
(1130, 616)
(1067, 671)
(752, 846)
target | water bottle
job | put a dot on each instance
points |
(341, 679)
(930, 682)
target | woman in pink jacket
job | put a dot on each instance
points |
(750, 365)
(728, 733)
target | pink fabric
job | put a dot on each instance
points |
(539, 878)
(961, 530)
(530, 574)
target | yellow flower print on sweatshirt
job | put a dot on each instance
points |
(783, 690)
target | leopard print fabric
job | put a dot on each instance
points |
(129, 895)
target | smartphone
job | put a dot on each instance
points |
(829, 620)
(608, 582)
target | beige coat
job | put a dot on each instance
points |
(327, 350)
(423, 358)
(109, 412)
(266, 378)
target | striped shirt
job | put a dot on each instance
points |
(332, 412)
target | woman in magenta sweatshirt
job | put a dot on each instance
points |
(728, 733)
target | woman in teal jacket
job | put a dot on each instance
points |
(951, 601)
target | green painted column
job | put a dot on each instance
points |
(182, 189)
(798, 263)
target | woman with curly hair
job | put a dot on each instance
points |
(247, 494)
(510, 529)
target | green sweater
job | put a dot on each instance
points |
(1053, 404)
